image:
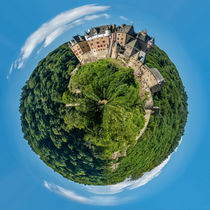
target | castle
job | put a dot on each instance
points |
(121, 43)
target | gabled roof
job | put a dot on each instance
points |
(79, 38)
(126, 29)
(98, 30)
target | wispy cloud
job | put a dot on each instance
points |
(148, 176)
(92, 17)
(92, 200)
(60, 30)
(104, 197)
(103, 192)
(109, 189)
(124, 18)
(52, 29)
(128, 184)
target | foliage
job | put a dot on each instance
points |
(108, 107)
(165, 129)
(67, 144)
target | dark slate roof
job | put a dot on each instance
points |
(79, 38)
(143, 45)
(134, 44)
(143, 38)
(157, 75)
(126, 29)
(98, 30)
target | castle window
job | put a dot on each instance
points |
(121, 38)
(97, 42)
(103, 41)
(98, 46)
(91, 44)
(101, 45)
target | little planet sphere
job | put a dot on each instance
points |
(106, 106)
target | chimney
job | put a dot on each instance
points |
(114, 27)
(71, 43)
(136, 57)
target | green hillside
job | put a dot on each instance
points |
(78, 141)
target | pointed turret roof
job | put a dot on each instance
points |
(79, 38)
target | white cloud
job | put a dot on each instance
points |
(106, 200)
(92, 17)
(47, 185)
(148, 176)
(107, 16)
(110, 189)
(92, 200)
(51, 37)
(123, 18)
(127, 183)
(50, 30)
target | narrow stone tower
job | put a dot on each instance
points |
(136, 56)
(115, 50)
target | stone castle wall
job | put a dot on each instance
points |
(110, 45)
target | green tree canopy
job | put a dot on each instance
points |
(108, 107)
(63, 137)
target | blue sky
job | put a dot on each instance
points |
(181, 28)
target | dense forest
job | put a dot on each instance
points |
(69, 140)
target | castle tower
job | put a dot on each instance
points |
(115, 50)
(114, 27)
(150, 43)
(136, 56)
(144, 32)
